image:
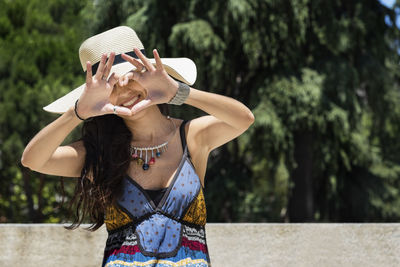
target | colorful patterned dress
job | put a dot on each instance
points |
(169, 234)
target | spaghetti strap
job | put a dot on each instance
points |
(182, 134)
(184, 143)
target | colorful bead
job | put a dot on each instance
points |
(158, 154)
(145, 166)
(152, 161)
(135, 156)
(139, 161)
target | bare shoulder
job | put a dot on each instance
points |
(198, 152)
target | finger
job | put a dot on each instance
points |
(144, 60)
(88, 73)
(100, 69)
(113, 79)
(141, 105)
(133, 61)
(116, 76)
(109, 108)
(123, 80)
(158, 60)
(132, 75)
(109, 64)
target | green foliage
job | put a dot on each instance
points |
(39, 62)
(322, 78)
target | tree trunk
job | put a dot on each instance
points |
(301, 206)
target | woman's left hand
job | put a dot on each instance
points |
(160, 87)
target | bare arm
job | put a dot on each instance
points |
(228, 119)
(44, 153)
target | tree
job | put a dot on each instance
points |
(321, 77)
(38, 50)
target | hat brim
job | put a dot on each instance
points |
(182, 69)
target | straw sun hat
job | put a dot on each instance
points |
(120, 40)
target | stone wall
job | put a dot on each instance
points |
(243, 244)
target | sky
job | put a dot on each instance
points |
(390, 3)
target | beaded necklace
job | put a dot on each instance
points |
(145, 155)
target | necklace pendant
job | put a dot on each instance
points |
(143, 154)
(139, 161)
(145, 166)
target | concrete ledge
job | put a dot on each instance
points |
(243, 244)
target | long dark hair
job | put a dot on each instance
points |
(106, 139)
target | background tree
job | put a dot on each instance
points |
(38, 51)
(320, 76)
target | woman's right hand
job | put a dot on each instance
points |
(94, 100)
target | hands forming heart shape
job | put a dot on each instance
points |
(94, 101)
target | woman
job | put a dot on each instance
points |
(140, 172)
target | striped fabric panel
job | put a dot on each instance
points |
(160, 263)
(131, 250)
(131, 256)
